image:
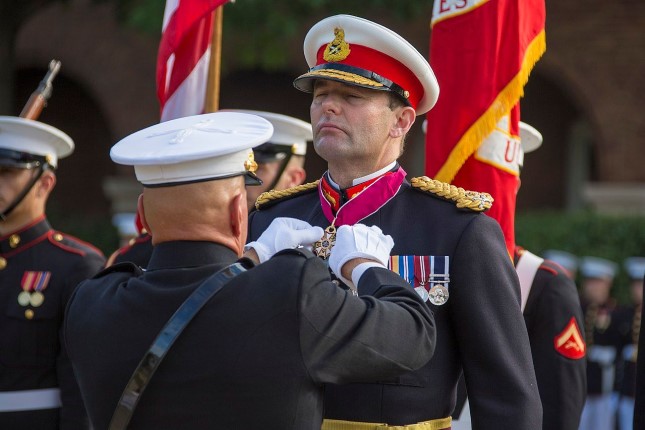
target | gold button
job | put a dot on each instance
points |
(144, 231)
(14, 240)
(29, 314)
(58, 237)
(3, 263)
(131, 241)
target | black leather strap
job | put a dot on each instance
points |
(165, 339)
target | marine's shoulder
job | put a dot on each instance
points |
(273, 197)
(69, 244)
(463, 199)
(125, 269)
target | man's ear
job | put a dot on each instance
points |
(239, 215)
(404, 120)
(294, 175)
(46, 183)
(142, 213)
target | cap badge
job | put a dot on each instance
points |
(337, 49)
(250, 164)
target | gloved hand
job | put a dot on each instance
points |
(284, 233)
(359, 241)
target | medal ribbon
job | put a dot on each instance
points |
(42, 281)
(35, 281)
(421, 274)
(363, 203)
(439, 270)
(404, 266)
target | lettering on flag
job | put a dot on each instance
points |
(444, 9)
(502, 149)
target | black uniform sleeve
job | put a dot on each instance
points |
(73, 415)
(493, 340)
(345, 338)
(562, 381)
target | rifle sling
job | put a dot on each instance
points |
(164, 340)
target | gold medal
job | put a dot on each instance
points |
(322, 248)
(37, 298)
(23, 298)
(438, 294)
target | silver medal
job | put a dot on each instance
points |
(438, 294)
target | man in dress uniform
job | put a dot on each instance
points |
(628, 321)
(257, 354)
(603, 341)
(368, 85)
(39, 269)
(280, 162)
(553, 318)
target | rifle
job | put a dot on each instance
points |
(38, 99)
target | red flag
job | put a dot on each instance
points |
(482, 52)
(183, 57)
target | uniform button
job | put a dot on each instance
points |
(58, 237)
(29, 314)
(131, 241)
(144, 231)
(3, 263)
(14, 240)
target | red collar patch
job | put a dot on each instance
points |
(569, 342)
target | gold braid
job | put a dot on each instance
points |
(271, 195)
(472, 200)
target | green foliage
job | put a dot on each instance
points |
(585, 233)
(258, 24)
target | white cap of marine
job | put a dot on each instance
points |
(635, 267)
(195, 148)
(530, 137)
(287, 130)
(21, 138)
(595, 267)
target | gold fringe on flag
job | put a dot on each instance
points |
(507, 98)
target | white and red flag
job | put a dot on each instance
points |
(482, 52)
(184, 55)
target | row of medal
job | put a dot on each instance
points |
(437, 293)
(33, 284)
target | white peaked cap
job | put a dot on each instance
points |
(192, 149)
(287, 130)
(595, 267)
(530, 137)
(31, 137)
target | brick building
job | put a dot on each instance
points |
(585, 96)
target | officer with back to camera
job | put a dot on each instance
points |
(280, 162)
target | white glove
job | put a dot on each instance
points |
(284, 233)
(359, 241)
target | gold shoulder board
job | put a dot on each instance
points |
(464, 199)
(275, 195)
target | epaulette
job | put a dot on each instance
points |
(72, 244)
(274, 196)
(464, 199)
(125, 267)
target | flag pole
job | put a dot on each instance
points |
(211, 104)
